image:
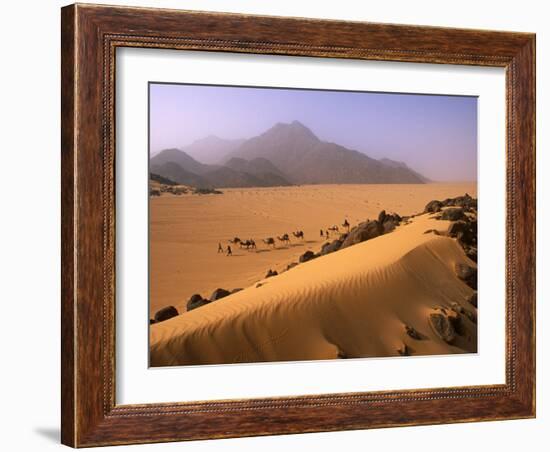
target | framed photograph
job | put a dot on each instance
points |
(282, 225)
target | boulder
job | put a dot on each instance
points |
(389, 222)
(458, 324)
(152, 321)
(457, 227)
(412, 332)
(464, 231)
(453, 214)
(196, 301)
(471, 252)
(381, 216)
(291, 265)
(471, 316)
(433, 206)
(458, 309)
(465, 201)
(271, 273)
(331, 247)
(404, 350)
(219, 293)
(442, 327)
(364, 231)
(342, 354)
(388, 226)
(307, 256)
(467, 274)
(166, 313)
(238, 289)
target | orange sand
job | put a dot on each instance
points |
(355, 301)
(185, 230)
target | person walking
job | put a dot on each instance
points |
(220, 248)
(229, 252)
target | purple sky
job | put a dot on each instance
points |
(435, 135)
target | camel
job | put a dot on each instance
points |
(269, 241)
(248, 244)
(235, 240)
(285, 239)
(333, 228)
(299, 234)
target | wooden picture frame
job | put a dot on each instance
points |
(90, 36)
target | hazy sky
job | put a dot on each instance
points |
(435, 135)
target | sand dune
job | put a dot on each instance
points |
(185, 230)
(352, 303)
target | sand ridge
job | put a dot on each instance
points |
(351, 303)
(185, 230)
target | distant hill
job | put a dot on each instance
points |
(211, 149)
(397, 164)
(262, 168)
(183, 159)
(285, 154)
(304, 159)
(174, 172)
(161, 180)
(181, 168)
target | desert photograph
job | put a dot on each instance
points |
(300, 224)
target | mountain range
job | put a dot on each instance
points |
(286, 154)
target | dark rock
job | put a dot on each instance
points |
(457, 308)
(404, 350)
(166, 313)
(390, 222)
(152, 321)
(196, 301)
(364, 231)
(442, 327)
(465, 201)
(464, 231)
(412, 332)
(291, 265)
(307, 256)
(381, 216)
(388, 226)
(467, 274)
(433, 206)
(219, 293)
(432, 231)
(342, 354)
(331, 247)
(271, 273)
(458, 324)
(238, 289)
(473, 299)
(472, 317)
(453, 214)
(457, 227)
(194, 298)
(471, 252)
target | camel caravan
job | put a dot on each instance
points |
(271, 242)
